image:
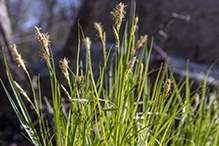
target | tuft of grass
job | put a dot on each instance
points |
(134, 112)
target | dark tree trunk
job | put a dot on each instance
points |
(85, 17)
(6, 42)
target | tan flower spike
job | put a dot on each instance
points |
(102, 36)
(140, 42)
(99, 28)
(166, 91)
(81, 85)
(118, 14)
(19, 59)
(167, 88)
(131, 63)
(63, 64)
(135, 27)
(44, 39)
(135, 24)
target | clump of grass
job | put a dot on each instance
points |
(134, 113)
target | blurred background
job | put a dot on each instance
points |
(53, 16)
(196, 39)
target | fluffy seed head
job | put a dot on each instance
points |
(118, 14)
(102, 36)
(44, 39)
(99, 28)
(141, 71)
(135, 25)
(167, 87)
(45, 56)
(19, 59)
(130, 66)
(63, 64)
(141, 41)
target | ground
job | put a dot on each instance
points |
(11, 132)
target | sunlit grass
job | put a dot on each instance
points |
(134, 112)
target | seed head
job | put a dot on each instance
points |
(88, 42)
(63, 64)
(118, 14)
(130, 66)
(45, 56)
(140, 42)
(19, 59)
(141, 71)
(136, 24)
(99, 28)
(197, 99)
(116, 36)
(167, 88)
(44, 39)
(81, 85)
(135, 27)
(133, 34)
(102, 36)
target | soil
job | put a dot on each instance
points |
(11, 132)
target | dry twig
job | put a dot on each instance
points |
(160, 31)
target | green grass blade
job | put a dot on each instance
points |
(29, 127)
(31, 132)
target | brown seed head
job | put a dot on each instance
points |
(118, 14)
(63, 64)
(167, 87)
(99, 28)
(19, 59)
(44, 39)
(141, 41)
(130, 66)
(81, 85)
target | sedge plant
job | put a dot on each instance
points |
(134, 112)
